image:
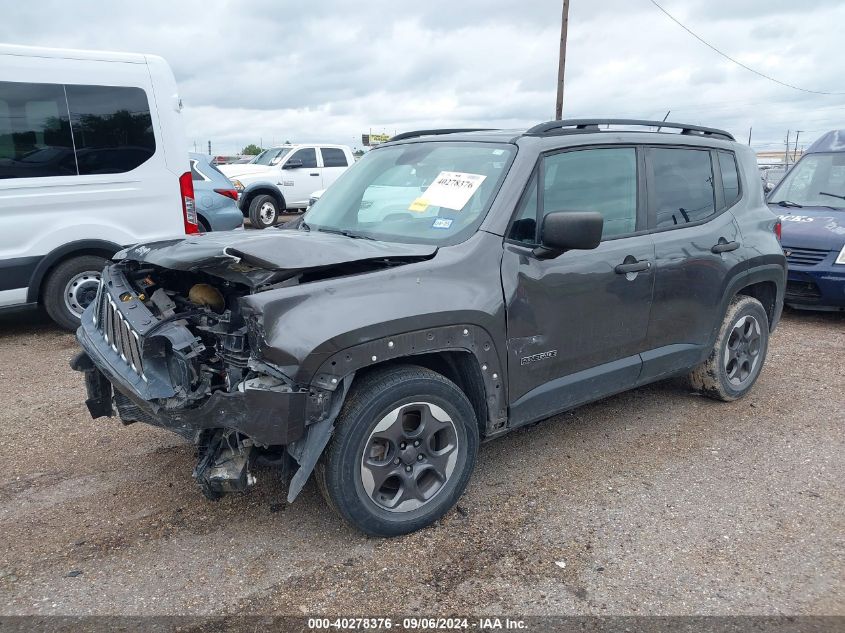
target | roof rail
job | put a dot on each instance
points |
(415, 134)
(576, 126)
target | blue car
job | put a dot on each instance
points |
(810, 201)
(215, 196)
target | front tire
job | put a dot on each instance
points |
(403, 451)
(71, 287)
(738, 354)
(263, 212)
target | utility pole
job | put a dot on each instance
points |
(561, 67)
(795, 153)
(749, 135)
(209, 148)
(786, 153)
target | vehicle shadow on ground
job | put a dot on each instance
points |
(27, 323)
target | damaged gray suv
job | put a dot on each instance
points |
(450, 287)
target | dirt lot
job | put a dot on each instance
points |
(654, 501)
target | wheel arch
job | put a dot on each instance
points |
(58, 255)
(259, 189)
(464, 354)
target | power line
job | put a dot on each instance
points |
(737, 62)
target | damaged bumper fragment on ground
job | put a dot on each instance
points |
(172, 349)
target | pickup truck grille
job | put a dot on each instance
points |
(804, 256)
(117, 333)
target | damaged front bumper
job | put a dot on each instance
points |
(270, 418)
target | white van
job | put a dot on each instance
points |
(93, 158)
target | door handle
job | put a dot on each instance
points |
(724, 246)
(313, 174)
(633, 267)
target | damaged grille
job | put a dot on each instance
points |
(117, 332)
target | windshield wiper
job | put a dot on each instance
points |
(832, 195)
(345, 233)
(787, 203)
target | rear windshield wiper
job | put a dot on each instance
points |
(832, 195)
(345, 233)
(787, 203)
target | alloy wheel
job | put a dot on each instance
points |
(742, 353)
(409, 457)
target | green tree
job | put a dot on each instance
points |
(251, 150)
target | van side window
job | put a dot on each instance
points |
(112, 128)
(333, 157)
(682, 191)
(730, 177)
(308, 156)
(603, 180)
(35, 139)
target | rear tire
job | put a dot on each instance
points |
(738, 355)
(263, 211)
(403, 451)
(71, 287)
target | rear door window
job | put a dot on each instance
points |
(35, 137)
(682, 188)
(112, 128)
(333, 157)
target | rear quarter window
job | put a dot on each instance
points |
(112, 128)
(730, 177)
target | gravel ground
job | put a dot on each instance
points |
(651, 502)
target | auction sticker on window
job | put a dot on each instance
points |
(452, 189)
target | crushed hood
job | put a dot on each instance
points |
(257, 258)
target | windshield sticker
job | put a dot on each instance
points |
(419, 205)
(442, 223)
(452, 189)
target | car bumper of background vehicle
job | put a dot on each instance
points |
(226, 219)
(269, 417)
(817, 286)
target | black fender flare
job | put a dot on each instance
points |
(466, 337)
(259, 188)
(773, 272)
(79, 247)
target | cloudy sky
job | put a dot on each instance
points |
(272, 71)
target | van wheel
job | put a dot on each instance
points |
(738, 354)
(71, 288)
(403, 451)
(263, 211)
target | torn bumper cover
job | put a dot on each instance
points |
(270, 416)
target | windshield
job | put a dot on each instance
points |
(816, 180)
(427, 193)
(270, 156)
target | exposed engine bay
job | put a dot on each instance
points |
(176, 338)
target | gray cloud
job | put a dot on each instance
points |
(330, 70)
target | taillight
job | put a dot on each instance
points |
(189, 209)
(777, 229)
(229, 193)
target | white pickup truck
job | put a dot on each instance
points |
(282, 178)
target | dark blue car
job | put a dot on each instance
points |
(810, 201)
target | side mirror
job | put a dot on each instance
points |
(567, 231)
(292, 164)
(768, 187)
